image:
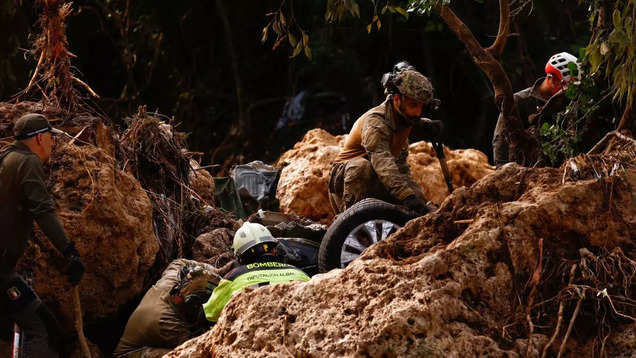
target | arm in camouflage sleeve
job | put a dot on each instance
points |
(403, 166)
(376, 139)
(37, 201)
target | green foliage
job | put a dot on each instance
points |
(286, 28)
(424, 7)
(613, 50)
(561, 138)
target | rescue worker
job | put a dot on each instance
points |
(23, 198)
(170, 312)
(532, 102)
(372, 163)
(255, 248)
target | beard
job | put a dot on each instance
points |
(409, 120)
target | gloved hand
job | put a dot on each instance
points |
(432, 129)
(415, 204)
(75, 269)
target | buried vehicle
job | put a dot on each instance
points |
(360, 226)
(315, 248)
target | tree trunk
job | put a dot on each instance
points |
(243, 122)
(523, 148)
(627, 125)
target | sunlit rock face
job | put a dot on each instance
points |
(302, 188)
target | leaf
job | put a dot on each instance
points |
(604, 48)
(308, 52)
(265, 33)
(297, 50)
(356, 10)
(292, 40)
(402, 12)
(305, 38)
(282, 18)
(384, 9)
(616, 19)
(369, 28)
(378, 24)
(278, 42)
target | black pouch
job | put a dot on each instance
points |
(16, 293)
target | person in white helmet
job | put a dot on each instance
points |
(256, 250)
(531, 102)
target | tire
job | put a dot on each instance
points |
(366, 212)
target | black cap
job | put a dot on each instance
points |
(32, 124)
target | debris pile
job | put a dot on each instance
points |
(302, 188)
(522, 263)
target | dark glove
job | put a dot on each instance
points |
(432, 129)
(415, 204)
(75, 269)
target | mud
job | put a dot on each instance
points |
(463, 281)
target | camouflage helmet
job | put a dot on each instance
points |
(414, 85)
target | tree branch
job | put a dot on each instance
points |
(496, 49)
(523, 148)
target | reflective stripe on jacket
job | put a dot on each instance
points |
(256, 274)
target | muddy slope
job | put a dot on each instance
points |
(494, 266)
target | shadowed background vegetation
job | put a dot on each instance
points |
(188, 59)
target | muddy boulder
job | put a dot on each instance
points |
(214, 247)
(302, 187)
(486, 275)
(466, 166)
(109, 217)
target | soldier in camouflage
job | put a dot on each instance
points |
(372, 163)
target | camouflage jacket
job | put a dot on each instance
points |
(379, 136)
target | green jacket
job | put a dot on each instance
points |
(24, 197)
(256, 274)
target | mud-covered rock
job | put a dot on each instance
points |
(202, 182)
(303, 185)
(458, 282)
(214, 247)
(109, 217)
(466, 166)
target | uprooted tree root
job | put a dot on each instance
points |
(598, 287)
(52, 75)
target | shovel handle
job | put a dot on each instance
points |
(79, 324)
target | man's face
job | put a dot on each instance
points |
(408, 107)
(556, 84)
(46, 142)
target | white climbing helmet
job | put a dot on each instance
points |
(557, 66)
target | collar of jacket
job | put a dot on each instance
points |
(535, 89)
(16, 145)
(390, 115)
